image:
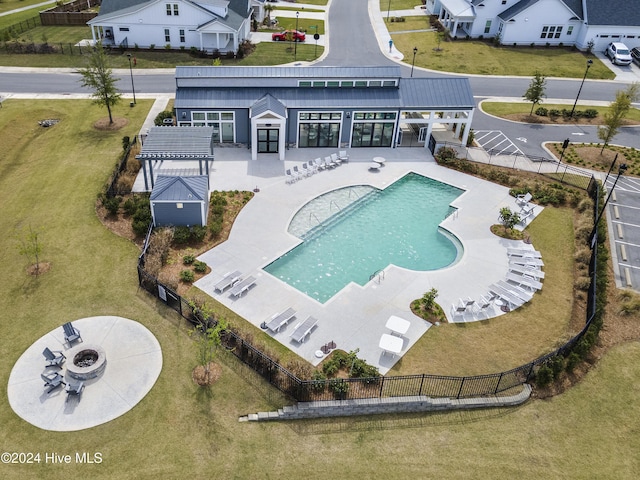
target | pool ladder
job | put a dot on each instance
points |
(333, 202)
(379, 274)
(313, 215)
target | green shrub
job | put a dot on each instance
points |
(557, 365)
(572, 362)
(198, 232)
(159, 120)
(112, 204)
(542, 111)
(187, 276)
(181, 235)
(126, 141)
(340, 388)
(554, 112)
(215, 228)
(591, 113)
(544, 376)
(199, 266)
(129, 206)
(188, 259)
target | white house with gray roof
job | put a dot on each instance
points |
(541, 22)
(207, 25)
(271, 109)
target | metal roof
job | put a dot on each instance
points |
(268, 104)
(178, 142)
(424, 93)
(180, 189)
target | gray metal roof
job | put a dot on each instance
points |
(424, 93)
(178, 143)
(612, 12)
(180, 189)
(268, 103)
(249, 77)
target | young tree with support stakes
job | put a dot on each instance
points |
(99, 77)
(31, 247)
(617, 112)
(536, 91)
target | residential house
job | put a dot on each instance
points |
(581, 23)
(207, 25)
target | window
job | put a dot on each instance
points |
(169, 9)
(182, 40)
(318, 84)
(319, 129)
(552, 31)
(487, 26)
(175, 9)
(223, 124)
(361, 84)
(167, 35)
(124, 29)
(504, 2)
(569, 29)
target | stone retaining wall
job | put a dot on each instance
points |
(377, 406)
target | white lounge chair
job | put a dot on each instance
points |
(276, 322)
(289, 178)
(458, 310)
(505, 295)
(529, 272)
(484, 304)
(526, 261)
(229, 279)
(330, 163)
(319, 165)
(525, 295)
(523, 280)
(523, 252)
(303, 329)
(343, 155)
(242, 286)
(298, 173)
(335, 159)
(523, 199)
(306, 170)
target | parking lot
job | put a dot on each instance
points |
(623, 211)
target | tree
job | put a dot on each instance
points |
(617, 111)
(508, 218)
(31, 247)
(536, 91)
(207, 337)
(99, 77)
(268, 8)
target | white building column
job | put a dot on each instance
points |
(467, 127)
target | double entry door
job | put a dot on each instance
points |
(268, 139)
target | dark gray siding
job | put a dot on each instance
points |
(168, 214)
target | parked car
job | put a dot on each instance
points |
(618, 53)
(287, 35)
(635, 55)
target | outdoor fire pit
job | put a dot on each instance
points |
(87, 362)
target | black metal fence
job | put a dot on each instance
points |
(113, 189)
(384, 386)
(19, 28)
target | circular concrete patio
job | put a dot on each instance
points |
(134, 362)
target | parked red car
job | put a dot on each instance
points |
(287, 35)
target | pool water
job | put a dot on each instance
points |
(349, 237)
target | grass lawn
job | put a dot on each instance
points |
(410, 23)
(15, 18)
(476, 57)
(304, 25)
(502, 109)
(56, 35)
(49, 179)
(8, 5)
(397, 5)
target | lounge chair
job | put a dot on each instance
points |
(243, 286)
(458, 310)
(527, 271)
(298, 173)
(505, 295)
(523, 252)
(335, 159)
(330, 163)
(523, 199)
(306, 170)
(229, 279)
(484, 303)
(526, 262)
(276, 322)
(71, 334)
(54, 358)
(516, 290)
(523, 280)
(526, 212)
(343, 155)
(74, 389)
(289, 178)
(303, 329)
(319, 165)
(53, 381)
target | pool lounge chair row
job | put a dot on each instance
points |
(315, 166)
(478, 308)
(300, 331)
(235, 282)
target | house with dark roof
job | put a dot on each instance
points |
(207, 25)
(180, 201)
(581, 23)
(272, 109)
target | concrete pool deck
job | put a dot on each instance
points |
(355, 318)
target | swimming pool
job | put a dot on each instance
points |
(354, 232)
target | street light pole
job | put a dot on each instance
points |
(131, 72)
(415, 50)
(295, 39)
(589, 63)
(621, 169)
(388, 10)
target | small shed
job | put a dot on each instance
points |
(180, 201)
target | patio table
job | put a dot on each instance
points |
(391, 344)
(398, 325)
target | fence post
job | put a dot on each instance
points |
(498, 384)
(381, 387)
(460, 389)
(421, 383)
